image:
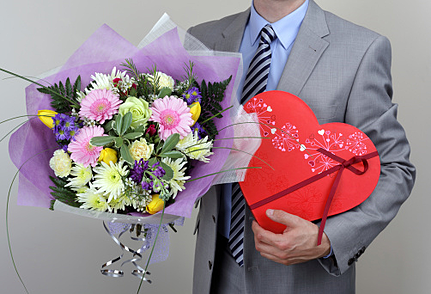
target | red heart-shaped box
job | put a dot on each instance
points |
(289, 154)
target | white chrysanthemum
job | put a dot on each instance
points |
(120, 203)
(81, 189)
(79, 96)
(80, 176)
(61, 163)
(179, 177)
(109, 179)
(195, 148)
(186, 142)
(93, 199)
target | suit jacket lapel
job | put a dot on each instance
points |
(307, 49)
(231, 37)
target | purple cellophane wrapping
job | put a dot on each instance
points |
(32, 146)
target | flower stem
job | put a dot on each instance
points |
(7, 218)
(152, 249)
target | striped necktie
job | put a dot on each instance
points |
(255, 83)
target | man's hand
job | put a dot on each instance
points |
(298, 242)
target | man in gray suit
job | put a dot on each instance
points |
(342, 71)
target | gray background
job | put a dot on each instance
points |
(61, 253)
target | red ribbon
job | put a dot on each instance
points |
(344, 164)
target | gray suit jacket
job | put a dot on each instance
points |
(342, 71)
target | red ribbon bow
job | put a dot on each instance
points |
(344, 164)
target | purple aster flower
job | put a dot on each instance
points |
(201, 131)
(73, 132)
(69, 123)
(61, 134)
(58, 119)
(192, 95)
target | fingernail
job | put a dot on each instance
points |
(269, 212)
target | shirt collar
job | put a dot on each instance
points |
(286, 28)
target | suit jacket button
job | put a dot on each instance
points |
(351, 261)
(210, 264)
(214, 218)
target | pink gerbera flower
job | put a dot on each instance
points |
(81, 150)
(173, 116)
(100, 105)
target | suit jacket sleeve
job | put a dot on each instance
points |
(369, 107)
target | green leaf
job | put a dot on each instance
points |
(133, 135)
(172, 154)
(170, 142)
(212, 96)
(102, 141)
(169, 173)
(118, 123)
(165, 92)
(152, 161)
(139, 129)
(51, 206)
(133, 92)
(69, 90)
(119, 142)
(63, 97)
(125, 153)
(62, 193)
(77, 85)
(108, 126)
(127, 122)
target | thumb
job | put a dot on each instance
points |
(283, 217)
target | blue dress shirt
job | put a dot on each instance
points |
(286, 30)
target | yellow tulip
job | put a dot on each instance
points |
(155, 205)
(46, 115)
(107, 155)
(195, 110)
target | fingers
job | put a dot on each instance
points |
(268, 242)
(284, 218)
(296, 244)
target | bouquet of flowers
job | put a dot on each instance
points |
(127, 132)
(127, 142)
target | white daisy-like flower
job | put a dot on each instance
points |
(79, 96)
(81, 189)
(109, 179)
(81, 175)
(177, 182)
(120, 203)
(195, 148)
(104, 81)
(186, 142)
(93, 199)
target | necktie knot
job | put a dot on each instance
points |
(267, 34)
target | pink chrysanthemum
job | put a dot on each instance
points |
(173, 116)
(80, 148)
(100, 105)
